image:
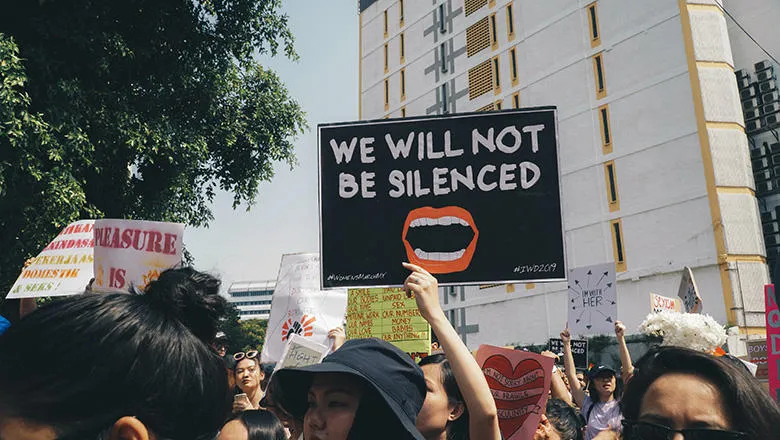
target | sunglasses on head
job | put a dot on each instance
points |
(636, 430)
(248, 355)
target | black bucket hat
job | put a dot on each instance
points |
(599, 370)
(385, 369)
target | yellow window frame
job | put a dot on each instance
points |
(599, 75)
(605, 128)
(593, 24)
(618, 244)
(510, 21)
(495, 64)
(610, 179)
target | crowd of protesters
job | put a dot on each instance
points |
(152, 365)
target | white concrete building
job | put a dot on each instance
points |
(655, 163)
(252, 298)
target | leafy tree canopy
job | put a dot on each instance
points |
(135, 109)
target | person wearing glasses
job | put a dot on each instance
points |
(249, 374)
(677, 393)
(112, 366)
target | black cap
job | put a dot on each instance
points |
(595, 371)
(384, 368)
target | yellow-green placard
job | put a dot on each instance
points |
(387, 313)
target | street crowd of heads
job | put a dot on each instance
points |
(152, 365)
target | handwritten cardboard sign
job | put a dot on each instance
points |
(660, 303)
(388, 314)
(519, 381)
(772, 341)
(301, 352)
(472, 198)
(64, 266)
(134, 252)
(592, 300)
(116, 253)
(300, 307)
(689, 292)
(579, 351)
(757, 354)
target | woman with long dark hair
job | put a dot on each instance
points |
(254, 424)
(600, 406)
(249, 376)
(680, 391)
(458, 404)
(118, 366)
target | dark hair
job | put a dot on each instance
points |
(256, 359)
(458, 429)
(593, 392)
(262, 425)
(566, 420)
(115, 355)
(749, 405)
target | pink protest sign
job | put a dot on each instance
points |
(519, 382)
(772, 340)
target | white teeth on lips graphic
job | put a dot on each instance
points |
(444, 221)
(439, 256)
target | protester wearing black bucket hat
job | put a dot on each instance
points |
(367, 389)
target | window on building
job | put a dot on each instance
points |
(387, 58)
(403, 112)
(606, 133)
(513, 65)
(444, 104)
(402, 46)
(617, 245)
(443, 50)
(516, 100)
(403, 84)
(611, 181)
(598, 71)
(499, 104)
(493, 32)
(387, 94)
(510, 22)
(442, 24)
(496, 76)
(593, 21)
(385, 23)
(401, 12)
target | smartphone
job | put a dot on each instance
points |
(243, 398)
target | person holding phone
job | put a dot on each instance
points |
(248, 374)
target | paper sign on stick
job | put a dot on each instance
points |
(134, 252)
(772, 341)
(519, 382)
(660, 303)
(388, 314)
(689, 292)
(64, 266)
(301, 352)
(300, 307)
(592, 300)
(579, 350)
(757, 354)
(472, 198)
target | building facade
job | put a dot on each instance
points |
(655, 162)
(252, 298)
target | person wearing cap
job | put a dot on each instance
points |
(367, 389)
(601, 405)
(459, 404)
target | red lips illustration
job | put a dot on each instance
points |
(433, 260)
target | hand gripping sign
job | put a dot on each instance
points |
(472, 198)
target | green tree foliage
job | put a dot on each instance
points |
(245, 335)
(136, 109)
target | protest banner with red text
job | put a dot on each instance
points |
(519, 381)
(64, 266)
(757, 354)
(772, 341)
(134, 252)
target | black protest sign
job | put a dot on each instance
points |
(579, 351)
(472, 198)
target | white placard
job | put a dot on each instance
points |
(660, 303)
(592, 300)
(301, 352)
(300, 307)
(689, 292)
(64, 266)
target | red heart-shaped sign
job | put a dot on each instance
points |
(518, 392)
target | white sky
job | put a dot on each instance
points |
(246, 246)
